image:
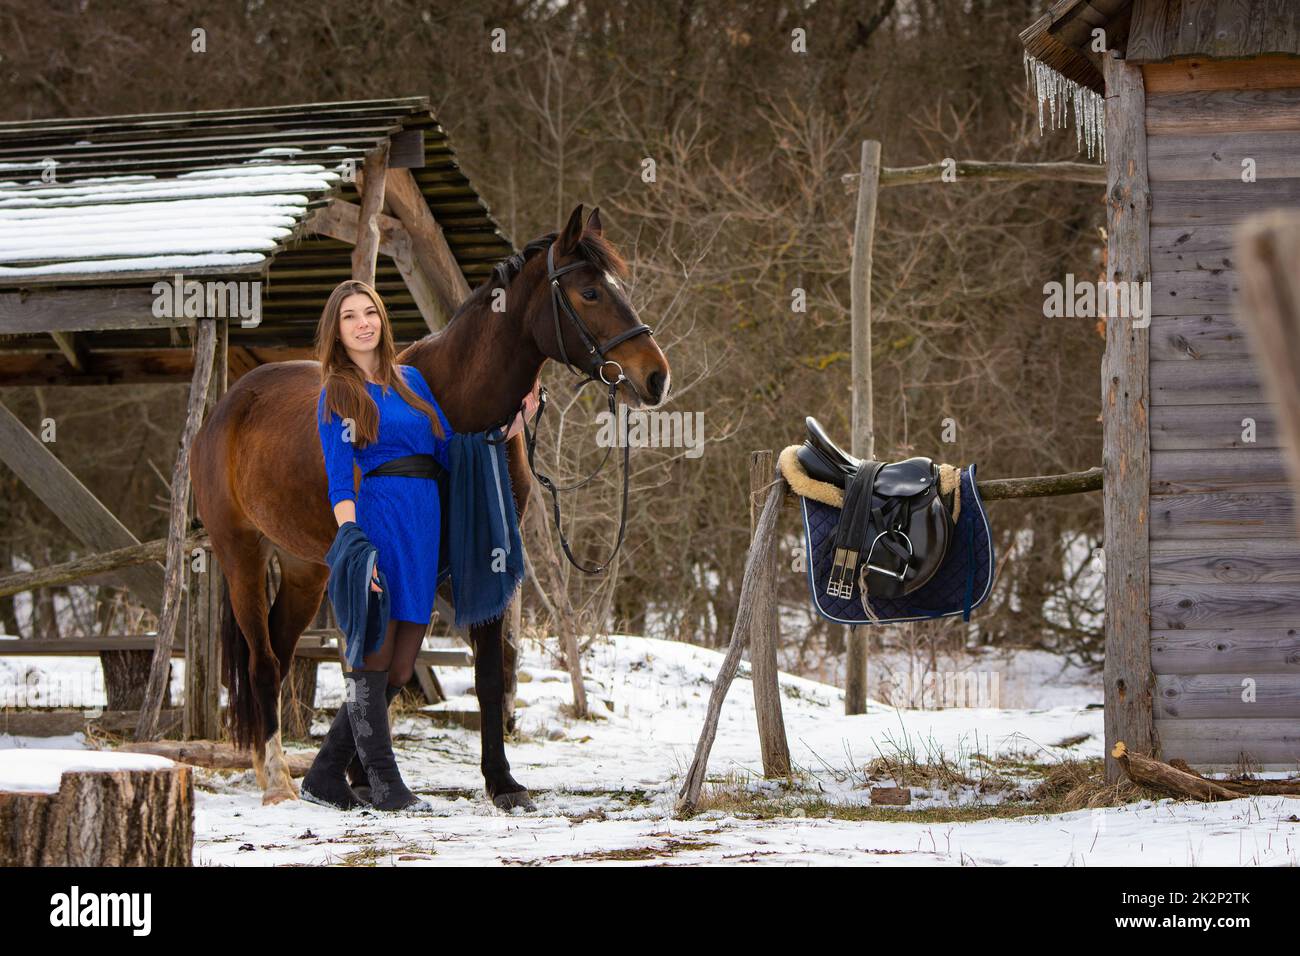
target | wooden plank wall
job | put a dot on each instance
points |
(1225, 560)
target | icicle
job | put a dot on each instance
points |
(1063, 96)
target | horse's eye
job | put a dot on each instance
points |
(590, 295)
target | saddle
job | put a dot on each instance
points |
(888, 542)
(895, 523)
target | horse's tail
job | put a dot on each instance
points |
(244, 718)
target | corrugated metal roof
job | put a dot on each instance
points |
(116, 200)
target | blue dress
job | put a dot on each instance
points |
(400, 515)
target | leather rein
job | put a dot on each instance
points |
(597, 354)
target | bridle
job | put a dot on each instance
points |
(597, 353)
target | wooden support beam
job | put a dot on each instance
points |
(764, 634)
(202, 705)
(1127, 676)
(93, 524)
(430, 246)
(863, 429)
(366, 251)
(82, 310)
(205, 340)
(71, 349)
(340, 220)
(48, 367)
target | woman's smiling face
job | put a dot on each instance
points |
(359, 323)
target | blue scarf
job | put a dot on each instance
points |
(480, 547)
(362, 614)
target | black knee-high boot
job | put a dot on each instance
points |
(357, 773)
(368, 711)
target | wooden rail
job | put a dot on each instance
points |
(970, 169)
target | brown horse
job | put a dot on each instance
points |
(260, 485)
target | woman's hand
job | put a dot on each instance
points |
(374, 581)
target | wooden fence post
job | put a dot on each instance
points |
(201, 713)
(764, 632)
(1126, 442)
(863, 429)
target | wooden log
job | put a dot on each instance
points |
(366, 250)
(102, 818)
(1184, 427)
(1127, 676)
(1224, 111)
(969, 169)
(1203, 73)
(212, 754)
(763, 638)
(1208, 382)
(1261, 515)
(1246, 786)
(1269, 253)
(1041, 486)
(177, 559)
(759, 569)
(1212, 156)
(1197, 337)
(433, 254)
(1196, 471)
(1226, 651)
(60, 722)
(78, 569)
(1260, 696)
(863, 429)
(1272, 743)
(1161, 776)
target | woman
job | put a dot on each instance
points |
(372, 410)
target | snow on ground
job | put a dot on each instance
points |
(605, 788)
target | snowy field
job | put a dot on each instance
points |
(605, 787)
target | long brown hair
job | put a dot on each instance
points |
(345, 383)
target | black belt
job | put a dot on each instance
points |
(409, 466)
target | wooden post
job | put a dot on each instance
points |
(1126, 444)
(177, 558)
(763, 635)
(1268, 255)
(863, 431)
(366, 251)
(201, 713)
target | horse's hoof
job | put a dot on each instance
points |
(517, 800)
(280, 795)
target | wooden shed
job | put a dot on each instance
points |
(190, 248)
(1202, 562)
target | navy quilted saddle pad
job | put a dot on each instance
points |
(961, 583)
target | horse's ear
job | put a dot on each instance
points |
(568, 241)
(594, 226)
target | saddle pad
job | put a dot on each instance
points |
(961, 583)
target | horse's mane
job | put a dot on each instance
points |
(595, 249)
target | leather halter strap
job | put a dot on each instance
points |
(597, 354)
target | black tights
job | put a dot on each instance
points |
(398, 652)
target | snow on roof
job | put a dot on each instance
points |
(233, 216)
(40, 770)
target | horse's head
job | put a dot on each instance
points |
(582, 317)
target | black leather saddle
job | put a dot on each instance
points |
(895, 525)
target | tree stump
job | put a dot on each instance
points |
(94, 808)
